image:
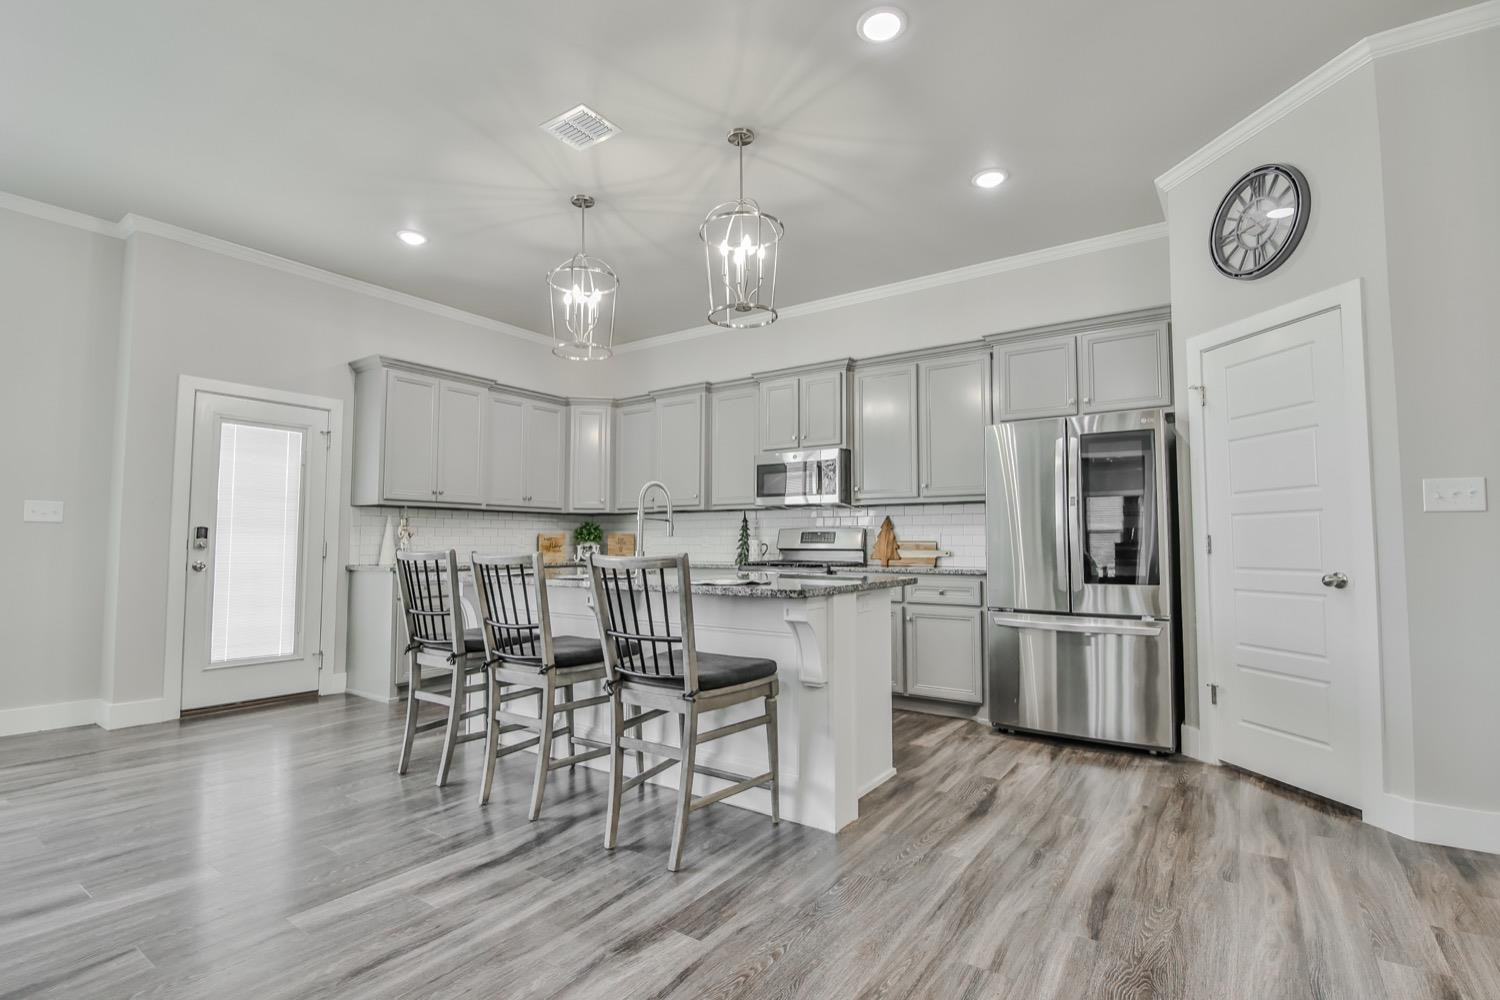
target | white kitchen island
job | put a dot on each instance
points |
(832, 645)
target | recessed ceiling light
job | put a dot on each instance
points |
(881, 24)
(1285, 212)
(989, 178)
(410, 237)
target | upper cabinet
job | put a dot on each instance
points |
(955, 408)
(681, 432)
(403, 465)
(733, 419)
(588, 456)
(1124, 364)
(634, 439)
(507, 451)
(806, 410)
(1125, 368)
(885, 433)
(545, 446)
(780, 414)
(524, 453)
(1037, 378)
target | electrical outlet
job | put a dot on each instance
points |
(1461, 493)
(50, 511)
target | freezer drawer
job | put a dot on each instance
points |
(1092, 678)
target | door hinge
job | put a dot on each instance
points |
(1202, 393)
(327, 439)
(1213, 692)
(325, 551)
(1210, 539)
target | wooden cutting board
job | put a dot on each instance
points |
(917, 554)
(553, 545)
(619, 543)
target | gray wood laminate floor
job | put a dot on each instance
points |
(277, 854)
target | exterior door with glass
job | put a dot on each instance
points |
(253, 558)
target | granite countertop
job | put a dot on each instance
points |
(871, 569)
(711, 584)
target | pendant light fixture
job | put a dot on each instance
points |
(581, 291)
(740, 244)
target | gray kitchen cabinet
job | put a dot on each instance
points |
(1124, 368)
(681, 429)
(733, 418)
(634, 441)
(588, 456)
(1036, 378)
(780, 414)
(524, 453)
(506, 451)
(944, 653)
(898, 648)
(822, 404)
(409, 444)
(460, 451)
(955, 409)
(885, 433)
(545, 446)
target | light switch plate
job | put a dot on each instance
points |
(50, 511)
(1459, 493)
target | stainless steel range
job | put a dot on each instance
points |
(822, 550)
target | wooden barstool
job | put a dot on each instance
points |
(437, 640)
(524, 658)
(659, 670)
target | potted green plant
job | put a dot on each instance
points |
(587, 538)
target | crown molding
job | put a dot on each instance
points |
(132, 225)
(970, 272)
(1357, 56)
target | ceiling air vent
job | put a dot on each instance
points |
(581, 127)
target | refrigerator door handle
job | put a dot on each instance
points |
(1060, 513)
(1075, 532)
(1082, 626)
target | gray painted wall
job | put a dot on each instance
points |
(59, 310)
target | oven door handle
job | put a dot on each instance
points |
(1081, 626)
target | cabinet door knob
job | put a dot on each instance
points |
(1085, 399)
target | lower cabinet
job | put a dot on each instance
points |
(944, 653)
(898, 648)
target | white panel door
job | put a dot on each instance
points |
(461, 417)
(822, 411)
(1278, 502)
(733, 418)
(955, 398)
(885, 433)
(635, 451)
(411, 427)
(588, 457)
(1036, 378)
(679, 450)
(254, 555)
(505, 451)
(544, 455)
(780, 419)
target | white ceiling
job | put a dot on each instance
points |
(315, 130)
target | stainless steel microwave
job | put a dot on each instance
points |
(815, 478)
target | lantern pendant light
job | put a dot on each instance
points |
(581, 291)
(740, 244)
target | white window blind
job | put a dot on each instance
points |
(258, 548)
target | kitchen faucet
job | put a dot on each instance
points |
(641, 518)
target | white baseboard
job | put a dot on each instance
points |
(61, 715)
(383, 699)
(123, 714)
(877, 781)
(1437, 823)
(331, 683)
(1192, 744)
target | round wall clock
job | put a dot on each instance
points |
(1260, 221)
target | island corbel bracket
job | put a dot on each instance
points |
(808, 621)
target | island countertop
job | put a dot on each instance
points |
(724, 583)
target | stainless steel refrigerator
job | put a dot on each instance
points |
(1078, 537)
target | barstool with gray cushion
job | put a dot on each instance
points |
(654, 663)
(524, 659)
(437, 640)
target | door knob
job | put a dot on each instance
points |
(199, 565)
(1337, 581)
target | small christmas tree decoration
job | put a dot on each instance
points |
(886, 548)
(742, 549)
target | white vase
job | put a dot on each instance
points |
(388, 545)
